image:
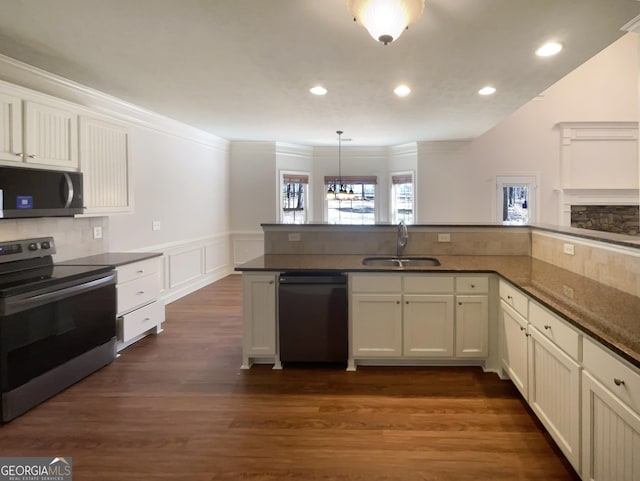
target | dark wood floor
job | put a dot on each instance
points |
(177, 407)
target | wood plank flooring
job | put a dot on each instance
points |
(177, 407)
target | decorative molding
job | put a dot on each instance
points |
(404, 150)
(246, 247)
(633, 25)
(294, 150)
(569, 197)
(37, 81)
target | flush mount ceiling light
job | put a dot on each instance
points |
(318, 90)
(487, 90)
(338, 190)
(385, 19)
(402, 90)
(549, 49)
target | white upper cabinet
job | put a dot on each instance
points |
(50, 135)
(106, 166)
(37, 130)
(10, 128)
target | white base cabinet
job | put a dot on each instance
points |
(554, 393)
(259, 314)
(515, 348)
(418, 317)
(610, 435)
(139, 311)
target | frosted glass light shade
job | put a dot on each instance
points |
(385, 19)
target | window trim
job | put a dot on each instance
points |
(351, 179)
(404, 174)
(295, 174)
(525, 179)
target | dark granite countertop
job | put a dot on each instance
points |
(607, 314)
(113, 259)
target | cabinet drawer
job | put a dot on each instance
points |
(136, 270)
(387, 283)
(472, 285)
(555, 329)
(421, 284)
(619, 377)
(137, 292)
(514, 298)
(140, 320)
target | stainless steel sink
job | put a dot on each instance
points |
(401, 262)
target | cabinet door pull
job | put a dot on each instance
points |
(523, 328)
(528, 334)
(459, 303)
(140, 292)
(547, 326)
(270, 282)
(406, 302)
(618, 382)
(140, 271)
(473, 286)
(32, 156)
(18, 154)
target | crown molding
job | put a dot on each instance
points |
(633, 25)
(43, 82)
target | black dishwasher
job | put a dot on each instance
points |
(313, 317)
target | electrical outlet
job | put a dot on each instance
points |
(97, 232)
(444, 237)
(155, 225)
(569, 249)
(294, 237)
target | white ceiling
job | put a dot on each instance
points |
(241, 69)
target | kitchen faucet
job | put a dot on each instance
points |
(403, 237)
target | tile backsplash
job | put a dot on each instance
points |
(381, 240)
(73, 237)
(610, 265)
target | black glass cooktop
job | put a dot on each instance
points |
(43, 277)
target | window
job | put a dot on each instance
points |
(402, 198)
(361, 209)
(516, 200)
(293, 198)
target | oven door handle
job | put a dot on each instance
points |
(26, 303)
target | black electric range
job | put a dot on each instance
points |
(57, 323)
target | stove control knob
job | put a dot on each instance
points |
(32, 246)
(45, 245)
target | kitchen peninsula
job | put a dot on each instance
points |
(555, 310)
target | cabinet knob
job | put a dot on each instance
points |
(547, 327)
(459, 303)
(510, 298)
(140, 292)
(398, 302)
(406, 302)
(140, 271)
(473, 286)
(18, 154)
(270, 282)
(528, 334)
(523, 328)
(618, 382)
(146, 319)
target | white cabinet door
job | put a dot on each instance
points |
(376, 325)
(258, 316)
(515, 347)
(554, 393)
(610, 435)
(104, 162)
(428, 325)
(10, 128)
(51, 135)
(472, 326)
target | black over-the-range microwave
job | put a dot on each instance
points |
(26, 192)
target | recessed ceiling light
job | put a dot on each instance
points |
(549, 49)
(487, 90)
(318, 90)
(402, 90)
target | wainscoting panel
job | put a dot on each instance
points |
(247, 246)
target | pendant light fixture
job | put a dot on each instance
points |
(338, 190)
(385, 19)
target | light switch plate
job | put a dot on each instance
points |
(97, 232)
(569, 249)
(444, 237)
(155, 225)
(294, 237)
